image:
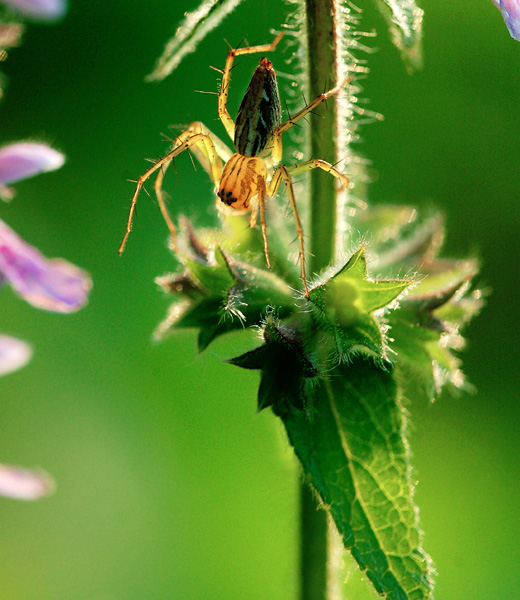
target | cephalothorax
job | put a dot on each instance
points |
(243, 179)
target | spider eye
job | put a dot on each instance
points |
(226, 197)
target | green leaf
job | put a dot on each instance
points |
(411, 342)
(345, 304)
(285, 366)
(350, 285)
(354, 451)
(463, 309)
(190, 32)
(180, 285)
(225, 294)
(215, 278)
(425, 327)
(415, 245)
(247, 243)
(383, 223)
(259, 287)
(204, 314)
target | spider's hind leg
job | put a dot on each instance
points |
(285, 174)
(282, 173)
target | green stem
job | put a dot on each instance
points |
(313, 565)
(322, 49)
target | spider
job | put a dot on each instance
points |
(241, 178)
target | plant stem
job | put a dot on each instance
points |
(313, 538)
(322, 49)
(322, 58)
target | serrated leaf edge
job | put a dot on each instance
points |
(358, 496)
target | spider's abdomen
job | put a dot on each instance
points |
(260, 112)
(243, 180)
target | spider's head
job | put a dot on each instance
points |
(243, 180)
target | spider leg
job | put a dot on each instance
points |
(317, 163)
(186, 140)
(222, 151)
(285, 174)
(223, 113)
(277, 134)
(282, 173)
(263, 225)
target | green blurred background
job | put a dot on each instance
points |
(169, 485)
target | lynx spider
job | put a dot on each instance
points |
(241, 178)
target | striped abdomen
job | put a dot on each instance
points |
(243, 180)
(260, 112)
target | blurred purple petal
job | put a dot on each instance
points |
(43, 10)
(511, 12)
(55, 285)
(26, 159)
(14, 354)
(24, 484)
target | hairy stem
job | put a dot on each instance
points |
(322, 58)
(322, 48)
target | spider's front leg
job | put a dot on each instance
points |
(317, 163)
(223, 113)
(196, 136)
(281, 129)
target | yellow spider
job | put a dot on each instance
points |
(241, 179)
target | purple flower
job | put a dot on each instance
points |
(23, 160)
(41, 10)
(14, 354)
(24, 484)
(511, 13)
(54, 285)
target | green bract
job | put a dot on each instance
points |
(332, 365)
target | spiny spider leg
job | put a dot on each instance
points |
(223, 152)
(223, 113)
(285, 174)
(317, 163)
(182, 143)
(277, 134)
(209, 156)
(282, 173)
